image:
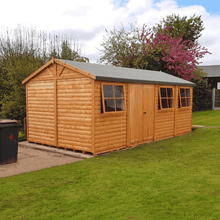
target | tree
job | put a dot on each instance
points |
(190, 29)
(68, 54)
(23, 51)
(118, 43)
(149, 51)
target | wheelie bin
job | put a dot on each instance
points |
(8, 141)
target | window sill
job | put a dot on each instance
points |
(185, 108)
(166, 110)
(111, 114)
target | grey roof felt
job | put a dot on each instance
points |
(122, 74)
(212, 71)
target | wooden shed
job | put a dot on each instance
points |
(98, 108)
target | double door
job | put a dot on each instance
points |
(141, 113)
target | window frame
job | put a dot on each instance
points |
(172, 98)
(185, 97)
(114, 98)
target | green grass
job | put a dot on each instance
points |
(21, 136)
(176, 178)
(206, 118)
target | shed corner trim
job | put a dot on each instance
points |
(36, 72)
(52, 61)
(75, 69)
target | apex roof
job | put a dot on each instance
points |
(118, 74)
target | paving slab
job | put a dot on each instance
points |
(33, 157)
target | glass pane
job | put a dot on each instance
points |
(164, 103)
(170, 92)
(119, 91)
(119, 104)
(187, 93)
(108, 91)
(182, 92)
(178, 102)
(109, 105)
(187, 102)
(163, 92)
(170, 101)
(183, 102)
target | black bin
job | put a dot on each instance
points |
(8, 141)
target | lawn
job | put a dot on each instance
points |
(206, 118)
(177, 178)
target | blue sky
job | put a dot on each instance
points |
(211, 6)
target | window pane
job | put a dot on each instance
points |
(163, 92)
(108, 91)
(187, 93)
(170, 92)
(182, 92)
(187, 102)
(170, 101)
(119, 104)
(109, 105)
(183, 102)
(164, 103)
(119, 91)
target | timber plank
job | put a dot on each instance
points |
(75, 143)
(75, 123)
(105, 146)
(74, 147)
(112, 134)
(75, 127)
(75, 139)
(74, 119)
(75, 133)
(117, 138)
(109, 131)
(41, 134)
(75, 111)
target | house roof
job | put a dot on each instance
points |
(117, 74)
(122, 74)
(212, 71)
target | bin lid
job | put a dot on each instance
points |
(7, 121)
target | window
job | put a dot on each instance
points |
(165, 98)
(184, 98)
(112, 98)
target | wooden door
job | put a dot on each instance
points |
(135, 111)
(141, 113)
(148, 112)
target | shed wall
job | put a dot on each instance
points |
(184, 118)
(40, 112)
(59, 108)
(164, 119)
(111, 128)
(172, 122)
(74, 113)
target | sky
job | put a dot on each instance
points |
(87, 20)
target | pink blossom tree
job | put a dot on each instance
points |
(165, 53)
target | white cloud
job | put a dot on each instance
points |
(87, 20)
(139, 6)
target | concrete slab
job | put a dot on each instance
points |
(32, 157)
(51, 149)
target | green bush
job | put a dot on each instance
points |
(202, 95)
